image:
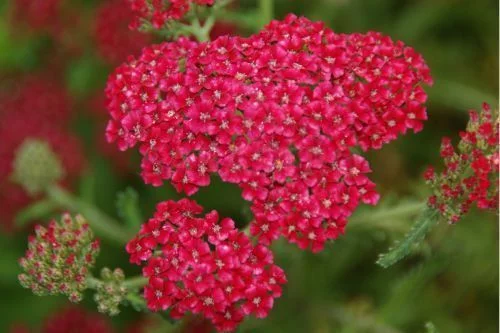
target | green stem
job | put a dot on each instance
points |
(102, 224)
(266, 8)
(92, 282)
(135, 282)
(201, 33)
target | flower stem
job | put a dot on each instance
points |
(104, 226)
(266, 8)
(135, 282)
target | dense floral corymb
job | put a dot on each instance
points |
(275, 113)
(158, 12)
(204, 265)
(59, 257)
(470, 174)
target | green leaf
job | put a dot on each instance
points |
(127, 205)
(430, 328)
(137, 302)
(459, 95)
(38, 210)
(424, 223)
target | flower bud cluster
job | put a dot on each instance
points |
(470, 175)
(35, 108)
(110, 291)
(275, 113)
(36, 166)
(201, 265)
(59, 257)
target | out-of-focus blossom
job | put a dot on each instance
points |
(114, 40)
(34, 111)
(76, 320)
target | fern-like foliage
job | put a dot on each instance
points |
(426, 220)
(127, 205)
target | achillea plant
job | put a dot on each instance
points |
(276, 114)
(470, 175)
(204, 265)
(114, 41)
(159, 12)
(59, 258)
(280, 114)
(37, 148)
(76, 319)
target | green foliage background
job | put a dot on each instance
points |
(451, 280)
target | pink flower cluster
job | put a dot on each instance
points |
(471, 173)
(275, 113)
(201, 265)
(158, 12)
(114, 40)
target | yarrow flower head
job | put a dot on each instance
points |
(158, 12)
(110, 291)
(113, 38)
(275, 113)
(38, 111)
(59, 257)
(470, 174)
(76, 319)
(48, 168)
(197, 263)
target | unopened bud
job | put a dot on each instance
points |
(36, 166)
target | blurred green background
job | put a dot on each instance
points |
(451, 280)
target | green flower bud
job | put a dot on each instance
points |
(36, 166)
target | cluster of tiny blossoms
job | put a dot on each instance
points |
(275, 113)
(59, 257)
(204, 266)
(471, 173)
(114, 40)
(157, 12)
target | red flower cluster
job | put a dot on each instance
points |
(76, 319)
(204, 266)
(275, 113)
(471, 174)
(38, 109)
(38, 14)
(157, 12)
(114, 39)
